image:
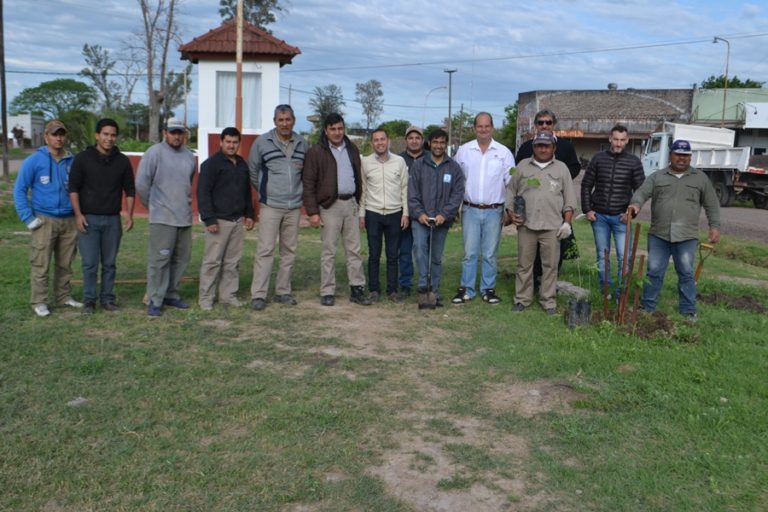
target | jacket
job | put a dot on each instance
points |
(609, 181)
(164, 184)
(435, 189)
(100, 180)
(277, 177)
(677, 202)
(385, 185)
(47, 180)
(224, 190)
(320, 175)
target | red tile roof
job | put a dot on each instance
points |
(221, 43)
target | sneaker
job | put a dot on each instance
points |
(691, 318)
(72, 303)
(461, 297)
(41, 310)
(357, 296)
(258, 304)
(110, 306)
(285, 299)
(153, 310)
(518, 308)
(89, 308)
(327, 300)
(490, 297)
(374, 297)
(176, 303)
(550, 311)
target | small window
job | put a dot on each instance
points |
(226, 89)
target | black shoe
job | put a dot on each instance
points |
(89, 308)
(357, 296)
(374, 297)
(406, 291)
(490, 297)
(327, 300)
(461, 297)
(176, 303)
(396, 297)
(518, 308)
(550, 311)
(258, 304)
(285, 299)
(110, 306)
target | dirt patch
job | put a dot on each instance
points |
(653, 326)
(217, 323)
(743, 280)
(534, 397)
(740, 302)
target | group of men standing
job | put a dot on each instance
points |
(405, 202)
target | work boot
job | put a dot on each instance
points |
(357, 295)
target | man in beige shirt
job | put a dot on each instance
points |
(546, 187)
(383, 211)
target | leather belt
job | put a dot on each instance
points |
(346, 197)
(483, 206)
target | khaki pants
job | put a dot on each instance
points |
(221, 263)
(340, 221)
(275, 224)
(549, 246)
(168, 254)
(57, 237)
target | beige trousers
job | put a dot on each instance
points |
(221, 263)
(56, 238)
(527, 241)
(276, 225)
(340, 221)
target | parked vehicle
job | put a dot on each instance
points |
(734, 171)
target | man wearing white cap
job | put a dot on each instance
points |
(42, 203)
(677, 195)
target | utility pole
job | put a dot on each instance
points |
(290, 92)
(239, 69)
(450, 95)
(3, 100)
(725, 89)
(461, 122)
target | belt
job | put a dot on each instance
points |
(483, 206)
(346, 197)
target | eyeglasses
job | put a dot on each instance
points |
(544, 122)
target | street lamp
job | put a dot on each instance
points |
(424, 111)
(725, 89)
(450, 95)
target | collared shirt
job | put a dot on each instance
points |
(486, 174)
(676, 201)
(346, 174)
(548, 193)
(385, 185)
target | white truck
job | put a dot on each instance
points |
(734, 172)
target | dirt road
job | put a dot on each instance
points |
(746, 223)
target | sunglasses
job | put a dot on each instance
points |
(544, 122)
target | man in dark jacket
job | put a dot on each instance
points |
(435, 193)
(99, 177)
(611, 178)
(332, 191)
(224, 202)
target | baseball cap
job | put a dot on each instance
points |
(681, 147)
(54, 126)
(175, 125)
(414, 129)
(544, 138)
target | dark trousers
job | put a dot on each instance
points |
(388, 227)
(406, 258)
(99, 244)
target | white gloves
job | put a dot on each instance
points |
(34, 224)
(564, 231)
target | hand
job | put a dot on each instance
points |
(362, 224)
(623, 218)
(213, 228)
(128, 223)
(404, 222)
(314, 220)
(591, 217)
(424, 219)
(633, 210)
(564, 231)
(714, 235)
(249, 223)
(517, 220)
(82, 223)
(439, 220)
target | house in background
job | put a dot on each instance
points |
(214, 53)
(33, 126)
(746, 111)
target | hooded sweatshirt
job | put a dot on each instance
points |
(47, 180)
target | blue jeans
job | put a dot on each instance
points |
(682, 254)
(381, 226)
(100, 245)
(406, 258)
(481, 229)
(603, 227)
(421, 247)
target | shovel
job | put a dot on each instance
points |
(705, 250)
(428, 300)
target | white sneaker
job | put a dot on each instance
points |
(73, 303)
(41, 310)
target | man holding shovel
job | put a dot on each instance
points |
(677, 195)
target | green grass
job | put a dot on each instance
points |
(232, 410)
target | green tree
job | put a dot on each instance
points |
(256, 12)
(175, 90)
(718, 82)
(327, 99)
(507, 134)
(81, 127)
(55, 98)
(395, 128)
(371, 97)
(99, 65)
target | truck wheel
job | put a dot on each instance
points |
(724, 193)
(760, 201)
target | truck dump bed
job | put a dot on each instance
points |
(701, 137)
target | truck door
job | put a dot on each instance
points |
(654, 154)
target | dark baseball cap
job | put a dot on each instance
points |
(681, 147)
(547, 138)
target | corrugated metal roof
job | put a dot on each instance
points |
(222, 41)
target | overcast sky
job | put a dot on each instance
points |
(499, 49)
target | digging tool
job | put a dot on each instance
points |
(607, 261)
(630, 270)
(428, 300)
(705, 251)
(638, 289)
